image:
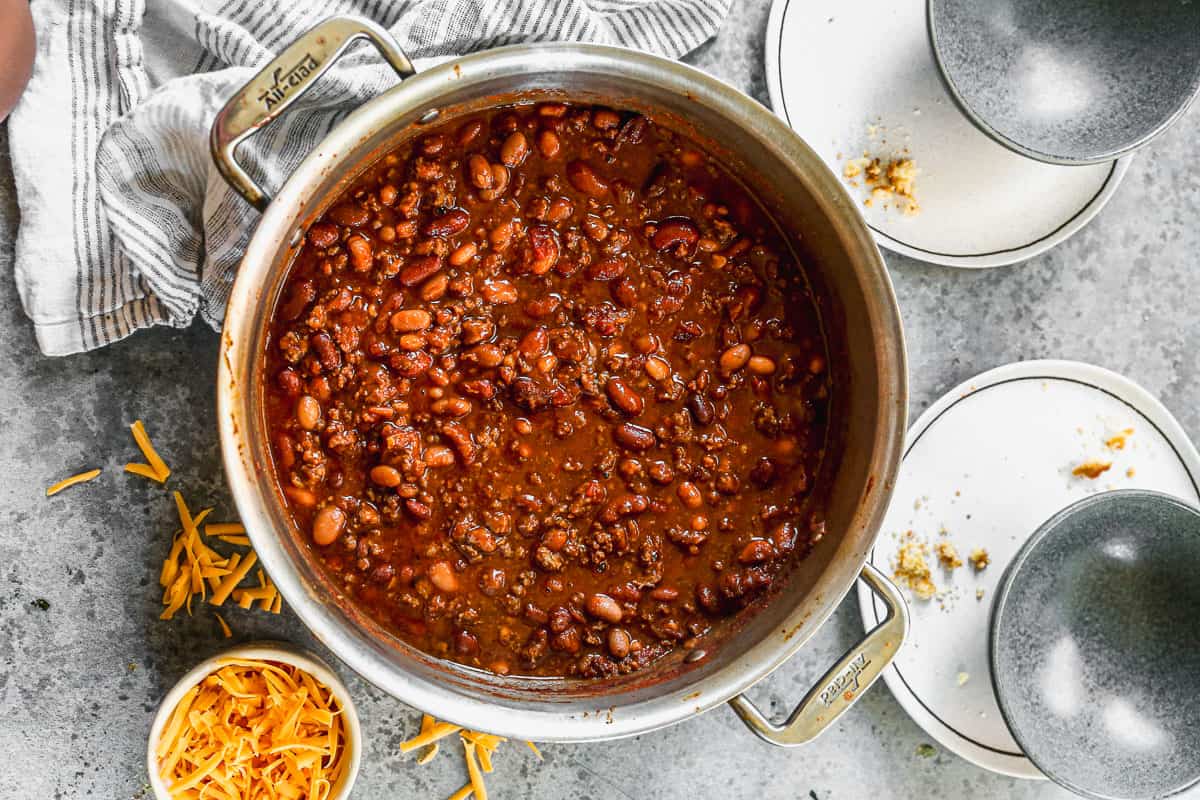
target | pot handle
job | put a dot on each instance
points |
(844, 682)
(281, 83)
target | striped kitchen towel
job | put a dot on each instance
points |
(125, 222)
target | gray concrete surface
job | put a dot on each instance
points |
(79, 680)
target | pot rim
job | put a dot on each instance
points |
(279, 226)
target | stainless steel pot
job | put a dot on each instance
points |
(859, 314)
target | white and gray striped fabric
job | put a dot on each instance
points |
(125, 223)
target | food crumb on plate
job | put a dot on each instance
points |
(1091, 469)
(1129, 473)
(979, 559)
(891, 182)
(979, 594)
(912, 568)
(1118, 441)
(926, 750)
(947, 555)
(963, 677)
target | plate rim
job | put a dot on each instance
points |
(1099, 378)
(772, 45)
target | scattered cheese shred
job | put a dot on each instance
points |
(224, 626)
(473, 770)
(192, 568)
(478, 749)
(65, 483)
(254, 730)
(157, 469)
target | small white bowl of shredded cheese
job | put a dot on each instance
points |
(253, 715)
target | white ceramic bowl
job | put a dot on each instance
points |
(262, 651)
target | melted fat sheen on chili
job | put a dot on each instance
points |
(547, 393)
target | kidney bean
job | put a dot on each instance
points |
(624, 397)
(586, 180)
(453, 221)
(675, 232)
(417, 510)
(418, 269)
(701, 409)
(606, 269)
(756, 550)
(634, 437)
(322, 235)
(349, 215)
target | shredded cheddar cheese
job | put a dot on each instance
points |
(478, 749)
(254, 730)
(193, 568)
(82, 477)
(157, 469)
(228, 634)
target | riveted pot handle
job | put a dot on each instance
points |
(281, 83)
(844, 682)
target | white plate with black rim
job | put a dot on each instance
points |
(983, 468)
(858, 77)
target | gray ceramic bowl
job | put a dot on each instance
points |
(1095, 646)
(1069, 81)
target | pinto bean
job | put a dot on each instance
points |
(601, 606)
(479, 169)
(327, 525)
(514, 150)
(308, 412)
(548, 144)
